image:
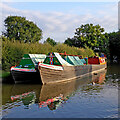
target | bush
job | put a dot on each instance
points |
(12, 52)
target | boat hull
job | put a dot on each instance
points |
(68, 73)
(23, 76)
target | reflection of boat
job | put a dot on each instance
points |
(99, 79)
(53, 102)
(96, 86)
(28, 68)
(50, 91)
(26, 98)
(18, 89)
(62, 67)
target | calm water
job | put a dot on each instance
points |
(93, 96)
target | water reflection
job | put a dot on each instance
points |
(99, 79)
(26, 98)
(53, 103)
(20, 94)
(51, 95)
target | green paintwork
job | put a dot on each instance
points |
(47, 60)
(31, 60)
(73, 60)
(55, 60)
(26, 62)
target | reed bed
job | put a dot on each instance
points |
(12, 52)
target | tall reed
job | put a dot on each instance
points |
(12, 52)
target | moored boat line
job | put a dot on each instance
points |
(56, 67)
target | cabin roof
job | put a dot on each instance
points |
(61, 60)
(31, 60)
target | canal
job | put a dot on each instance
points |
(94, 96)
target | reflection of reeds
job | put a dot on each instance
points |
(12, 52)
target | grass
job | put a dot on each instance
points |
(4, 74)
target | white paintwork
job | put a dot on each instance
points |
(61, 60)
(51, 66)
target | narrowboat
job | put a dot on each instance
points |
(59, 67)
(28, 68)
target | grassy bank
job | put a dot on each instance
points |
(4, 74)
(12, 52)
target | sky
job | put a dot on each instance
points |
(58, 20)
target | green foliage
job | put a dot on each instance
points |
(8, 51)
(12, 52)
(18, 28)
(50, 41)
(90, 36)
(71, 42)
(114, 44)
(0, 51)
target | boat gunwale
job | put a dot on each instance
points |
(23, 69)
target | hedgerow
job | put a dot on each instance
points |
(12, 52)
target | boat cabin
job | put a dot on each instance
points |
(29, 62)
(59, 59)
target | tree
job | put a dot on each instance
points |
(50, 41)
(18, 28)
(114, 44)
(89, 35)
(70, 42)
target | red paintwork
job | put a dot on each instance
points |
(93, 60)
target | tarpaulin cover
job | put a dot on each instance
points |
(79, 60)
(61, 60)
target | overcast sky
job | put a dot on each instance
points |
(58, 20)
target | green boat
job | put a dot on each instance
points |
(28, 68)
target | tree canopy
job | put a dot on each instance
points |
(50, 41)
(89, 35)
(18, 28)
(114, 44)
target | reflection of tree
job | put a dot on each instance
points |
(113, 80)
